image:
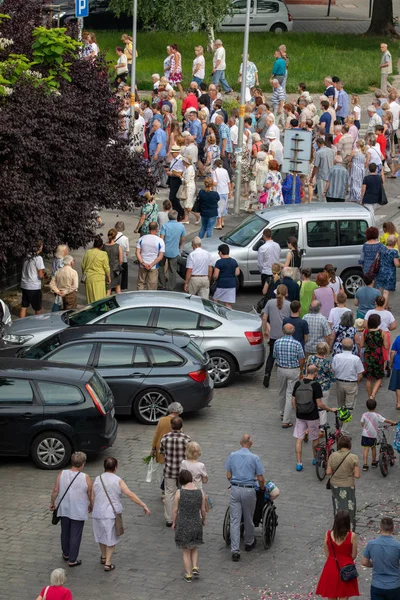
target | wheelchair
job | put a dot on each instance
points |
(264, 515)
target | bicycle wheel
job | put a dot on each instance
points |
(226, 531)
(269, 523)
(320, 465)
(383, 463)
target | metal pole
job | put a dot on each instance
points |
(370, 9)
(329, 8)
(239, 150)
(294, 187)
(133, 71)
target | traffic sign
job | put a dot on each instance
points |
(81, 8)
(296, 151)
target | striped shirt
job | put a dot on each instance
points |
(338, 178)
(288, 352)
(345, 145)
(277, 96)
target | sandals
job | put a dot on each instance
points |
(365, 468)
(108, 568)
(75, 564)
(287, 425)
(374, 464)
(102, 560)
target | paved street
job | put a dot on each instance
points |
(148, 565)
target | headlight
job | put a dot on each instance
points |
(17, 339)
(58, 15)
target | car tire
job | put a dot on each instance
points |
(278, 28)
(225, 364)
(150, 405)
(352, 280)
(51, 450)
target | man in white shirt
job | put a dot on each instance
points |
(268, 254)
(275, 147)
(272, 128)
(199, 268)
(374, 119)
(191, 149)
(123, 241)
(149, 251)
(219, 66)
(31, 282)
(234, 131)
(348, 370)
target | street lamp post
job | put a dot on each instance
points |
(133, 71)
(239, 150)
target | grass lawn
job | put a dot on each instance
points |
(313, 56)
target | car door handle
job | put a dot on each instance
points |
(137, 375)
(28, 415)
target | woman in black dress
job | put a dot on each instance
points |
(293, 257)
(189, 516)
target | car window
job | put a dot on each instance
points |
(163, 357)
(15, 391)
(78, 354)
(130, 316)
(177, 318)
(214, 308)
(208, 323)
(245, 233)
(267, 7)
(280, 233)
(352, 233)
(140, 359)
(322, 234)
(91, 311)
(59, 393)
(115, 355)
(239, 6)
(195, 351)
(40, 350)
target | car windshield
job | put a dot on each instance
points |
(42, 349)
(215, 309)
(245, 233)
(91, 311)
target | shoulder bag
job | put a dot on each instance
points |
(83, 278)
(196, 205)
(55, 518)
(45, 592)
(181, 194)
(328, 483)
(119, 524)
(382, 201)
(348, 572)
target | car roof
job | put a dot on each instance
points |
(124, 332)
(44, 370)
(334, 210)
(158, 298)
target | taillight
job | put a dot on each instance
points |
(199, 376)
(254, 337)
(96, 400)
(289, 16)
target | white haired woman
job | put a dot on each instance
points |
(61, 251)
(192, 464)
(106, 499)
(65, 284)
(56, 589)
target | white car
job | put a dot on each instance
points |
(265, 15)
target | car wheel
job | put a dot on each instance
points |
(352, 280)
(278, 28)
(151, 405)
(221, 368)
(51, 450)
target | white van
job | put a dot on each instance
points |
(265, 15)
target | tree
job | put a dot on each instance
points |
(382, 19)
(177, 15)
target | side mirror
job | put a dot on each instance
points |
(258, 245)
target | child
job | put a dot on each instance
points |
(370, 422)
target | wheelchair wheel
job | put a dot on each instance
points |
(226, 532)
(269, 525)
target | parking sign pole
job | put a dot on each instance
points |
(133, 71)
(239, 149)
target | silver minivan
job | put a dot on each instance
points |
(326, 233)
(265, 15)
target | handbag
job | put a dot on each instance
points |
(83, 278)
(348, 572)
(182, 193)
(119, 524)
(196, 205)
(328, 483)
(262, 198)
(55, 518)
(375, 266)
(213, 287)
(208, 504)
(382, 201)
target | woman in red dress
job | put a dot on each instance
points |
(342, 543)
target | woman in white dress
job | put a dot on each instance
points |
(106, 500)
(223, 184)
(188, 178)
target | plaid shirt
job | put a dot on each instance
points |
(318, 329)
(173, 446)
(288, 352)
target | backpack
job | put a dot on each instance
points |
(396, 443)
(304, 398)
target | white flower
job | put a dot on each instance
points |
(4, 43)
(351, 505)
(7, 91)
(34, 74)
(343, 494)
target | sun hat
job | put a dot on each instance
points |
(187, 160)
(175, 148)
(271, 136)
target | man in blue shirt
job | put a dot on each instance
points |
(193, 125)
(342, 109)
(242, 469)
(383, 555)
(325, 119)
(158, 152)
(173, 234)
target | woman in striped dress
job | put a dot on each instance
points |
(357, 172)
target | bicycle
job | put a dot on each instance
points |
(326, 447)
(386, 452)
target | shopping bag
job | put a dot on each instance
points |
(151, 470)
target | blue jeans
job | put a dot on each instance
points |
(219, 77)
(197, 80)
(207, 226)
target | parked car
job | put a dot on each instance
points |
(48, 410)
(265, 15)
(146, 369)
(326, 233)
(232, 339)
(100, 16)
